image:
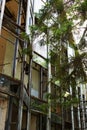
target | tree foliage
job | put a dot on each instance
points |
(57, 20)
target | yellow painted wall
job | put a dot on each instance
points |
(7, 53)
(2, 53)
(2, 49)
(7, 69)
(18, 66)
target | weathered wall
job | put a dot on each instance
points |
(9, 55)
(3, 111)
(6, 52)
(2, 52)
(33, 122)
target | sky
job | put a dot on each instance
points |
(38, 5)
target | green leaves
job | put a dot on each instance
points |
(28, 50)
(57, 5)
(83, 9)
(25, 37)
(55, 22)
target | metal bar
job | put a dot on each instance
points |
(29, 22)
(13, 34)
(79, 90)
(28, 17)
(15, 24)
(9, 114)
(83, 113)
(39, 55)
(78, 109)
(48, 127)
(49, 86)
(41, 79)
(2, 7)
(37, 111)
(17, 40)
(20, 108)
(72, 112)
(29, 91)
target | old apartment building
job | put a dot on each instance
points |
(24, 80)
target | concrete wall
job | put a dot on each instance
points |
(33, 122)
(6, 52)
(3, 112)
(2, 52)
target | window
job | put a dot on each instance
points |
(35, 80)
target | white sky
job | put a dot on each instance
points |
(38, 4)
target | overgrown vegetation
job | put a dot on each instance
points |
(57, 21)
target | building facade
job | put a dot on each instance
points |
(23, 79)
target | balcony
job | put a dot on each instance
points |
(9, 86)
